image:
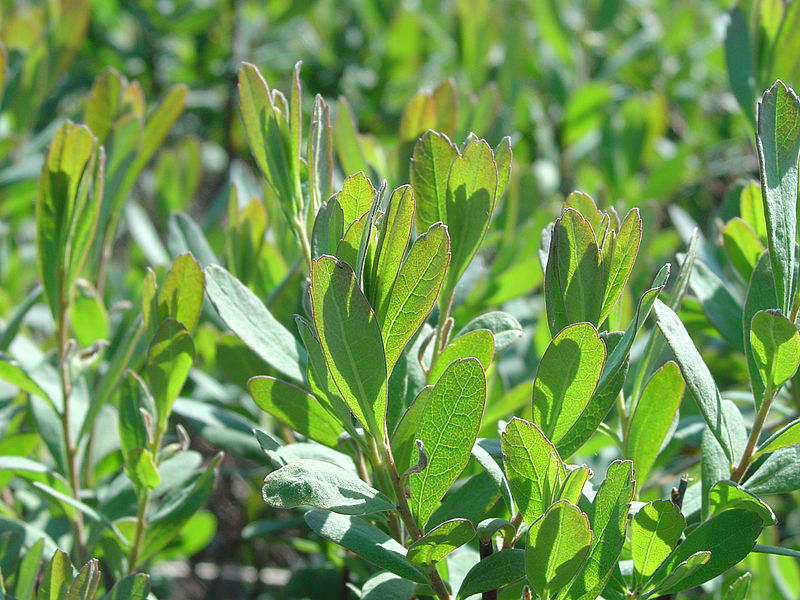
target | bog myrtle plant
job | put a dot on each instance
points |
(384, 393)
(383, 421)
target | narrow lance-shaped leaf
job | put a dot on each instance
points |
(785, 437)
(60, 202)
(448, 428)
(57, 578)
(760, 296)
(365, 540)
(250, 320)
(351, 341)
(296, 408)
(414, 291)
(778, 145)
(320, 154)
(393, 235)
(558, 543)
(698, 378)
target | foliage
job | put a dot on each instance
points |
(418, 366)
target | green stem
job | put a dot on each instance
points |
(408, 519)
(302, 236)
(138, 537)
(69, 445)
(755, 432)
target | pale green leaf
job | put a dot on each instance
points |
(775, 343)
(440, 541)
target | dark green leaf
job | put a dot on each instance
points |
(493, 572)
(365, 540)
(351, 341)
(448, 428)
(440, 541)
(778, 145)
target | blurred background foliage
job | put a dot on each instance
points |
(629, 101)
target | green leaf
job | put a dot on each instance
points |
(655, 531)
(682, 571)
(355, 197)
(132, 587)
(739, 60)
(698, 378)
(169, 358)
(262, 126)
(295, 407)
(775, 343)
(414, 291)
(779, 473)
(469, 203)
(471, 500)
(440, 541)
(493, 572)
(566, 379)
(720, 307)
(250, 320)
(184, 235)
(742, 245)
(406, 430)
(557, 544)
(739, 588)
(17, 376)
(504, 327)
(729, 536)
(328, 228)
(488, 528)
(493, 469)
(430, 166)
(609, 519)
(787, 436)
(394, 232)
(778, 145)
(131, 427)
(351, 341)
(180, 297)
(387, 586)
(572, 488)
(365, 540)
(760, 296)
(169, 521)
(619, 253)
(347, 143)
(86, 582)
(448, 428)
(65, 217)
(57, 578)
(653, 417)
(726, 495)
(319, 377)
(28, 570)
(573, 285)
(319, 484)
(140, 467)
(477, 344)
(532, 467)
(320, 154)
